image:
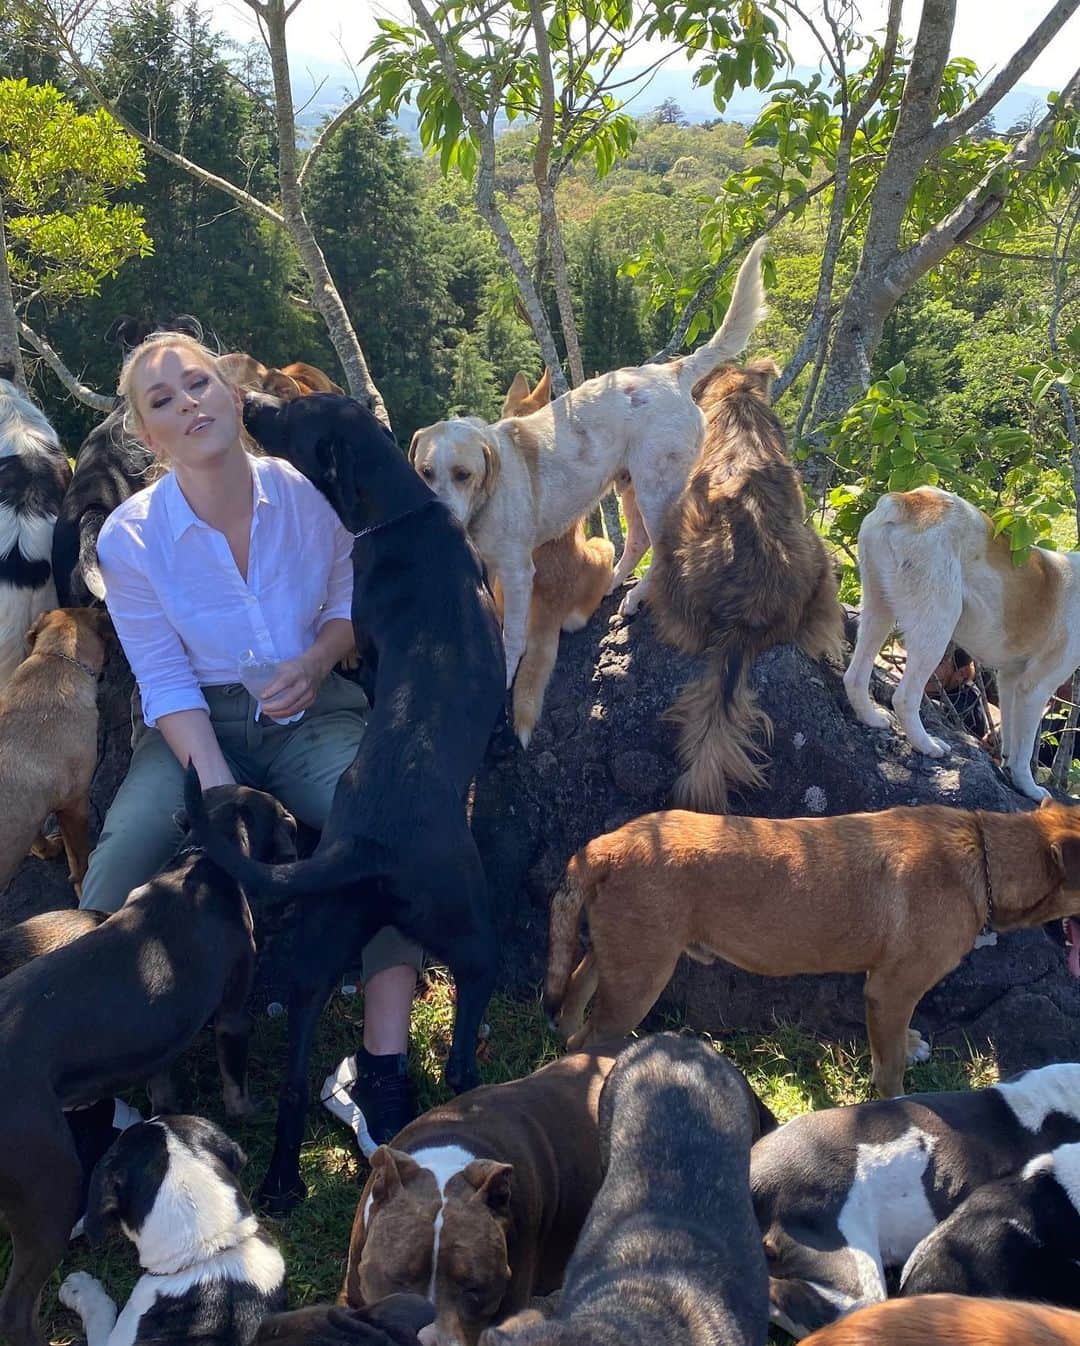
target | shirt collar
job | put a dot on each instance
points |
(182, 516)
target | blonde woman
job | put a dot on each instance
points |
(223, 554)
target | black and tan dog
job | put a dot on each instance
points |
(112, 1009)
(670, 1254)
(396, 848)
(899, 895)
(393, 1321)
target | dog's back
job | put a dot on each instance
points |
(932, 1320)
(664, 1255)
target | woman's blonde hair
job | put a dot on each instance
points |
(154, 342)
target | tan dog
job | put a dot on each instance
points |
(737, 570)
(930, 563)
(48, 737)
(297, 380)
(573, 573)
(523, 481)
(953, 1320)
(242, 370)
(479, 1202)
(899, 895)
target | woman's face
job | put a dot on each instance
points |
(189, 417)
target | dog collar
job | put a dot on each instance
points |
(389, 523)
(67, 658)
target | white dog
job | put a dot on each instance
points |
(930, 564)
(211, 1274)
(34, 474)
(524, 480)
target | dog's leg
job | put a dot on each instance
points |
(74, 820)
(637, 540)
(654, 495)
(580, 989)
(85, 1295)
(232, 1029)
(517, 582)
(42, 1186)
(922, 659)
(875, 623)
(1020, 729)
(889, 1007)
(534, 672)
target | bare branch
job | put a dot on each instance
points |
(334, 124)
(77, 389)
(1020, 61)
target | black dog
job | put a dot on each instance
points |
(393, 1321)
(1018, 1238)
(670, 1254)
(211, 1274)
(110, 466)
(112, 1009)
(396, 848)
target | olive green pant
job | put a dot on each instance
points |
(298, 763)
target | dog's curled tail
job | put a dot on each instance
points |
(746, 310)
(564, 920)
(89, 568)
(721, 727)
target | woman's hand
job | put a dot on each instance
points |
(294, 689)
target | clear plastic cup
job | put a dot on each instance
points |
(257, 674)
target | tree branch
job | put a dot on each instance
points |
(319, 144)
(77, 389)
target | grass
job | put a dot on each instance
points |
(790, 1070)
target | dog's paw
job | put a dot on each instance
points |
(631, 602)
(935, 747)
(875, 719)
(80, 1290)
(918, 1049)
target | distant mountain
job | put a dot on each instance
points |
(321, 87)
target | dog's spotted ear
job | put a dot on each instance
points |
(1065, 855)
(390, 1171)
(492, 1181)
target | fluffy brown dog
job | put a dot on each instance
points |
(931, 1320)
(899, 895)
(573, 573)
(297, 380)
(736, 570)
(48, 737)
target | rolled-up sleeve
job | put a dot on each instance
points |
(161, 666)
(339, 586)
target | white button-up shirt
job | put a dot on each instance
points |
(181, 608)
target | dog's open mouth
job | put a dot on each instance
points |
(1071, 927)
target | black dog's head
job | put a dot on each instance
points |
(261, 826)
(394, 1321)
(128, 332)
(140, 1181)
(339, 445)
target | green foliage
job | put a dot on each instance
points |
(58, 169)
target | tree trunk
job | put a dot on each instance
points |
(324, 292)
(10, 355)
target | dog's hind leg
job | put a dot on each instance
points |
(39, 1190)
(580, 989)
(232, 1030)
(637, 539)
(875, 622)
(889, 1007)
(74, 820)
(1020, 725)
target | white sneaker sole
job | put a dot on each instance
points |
(335, 1098)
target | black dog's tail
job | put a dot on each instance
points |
(322, 871)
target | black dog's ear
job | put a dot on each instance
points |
(222, 1147)
(188, 324)
(127, 331)
(102, 1201)
(285, 836)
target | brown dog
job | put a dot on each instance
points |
(479, 1202)
(48, 737)
(899, 895)
(572, 575)
(931, 1320)
(41, 934)
(297, 380)
(736, 570)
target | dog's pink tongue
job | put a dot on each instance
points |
(1072, 938)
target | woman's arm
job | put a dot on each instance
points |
(299, 679)
(191, 736)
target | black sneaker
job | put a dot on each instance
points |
(375, 1105)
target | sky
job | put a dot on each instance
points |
(326, 32)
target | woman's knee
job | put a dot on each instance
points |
(389, 948)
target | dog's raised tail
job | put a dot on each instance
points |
(746, 310)
(722, 729)
(564, 921)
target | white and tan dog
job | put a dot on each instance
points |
(930, 564)
(524, 480)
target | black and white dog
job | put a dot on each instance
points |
(846, 1194)
(34, 475)
(211, 1273)
(1014, 1239)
